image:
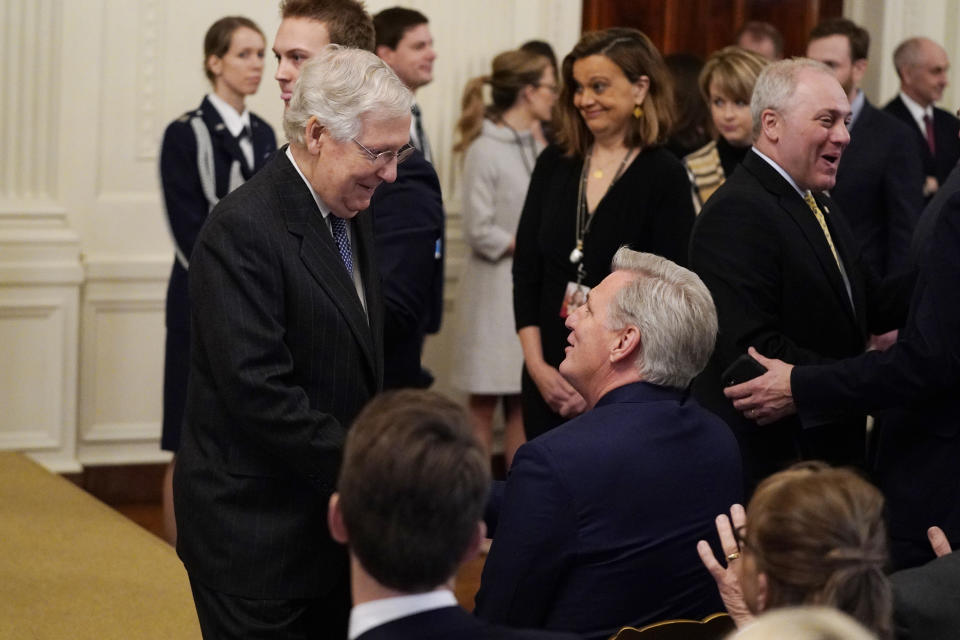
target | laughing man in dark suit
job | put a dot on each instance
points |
(286, 349)
(781, 263)
(409, 506)
(922, 66)
(880, 175)
(599, 517)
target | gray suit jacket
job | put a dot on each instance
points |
(283, 357)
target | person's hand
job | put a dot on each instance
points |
(938, 540)
(930, 186)
(557, 392)
(883, 341)
(766, 398)
(728, 582)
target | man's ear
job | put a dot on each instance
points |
(628, 341)
(385, 53)
(476, 541)
(770, 125)
(859, 70)
(313, 135)
(338, 529)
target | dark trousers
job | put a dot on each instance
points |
(227, 617)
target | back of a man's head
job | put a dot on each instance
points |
(347, 21)
(390, 25)
(412, 489)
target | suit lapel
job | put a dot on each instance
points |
(321, 258)
(263, 143)
(803, 217)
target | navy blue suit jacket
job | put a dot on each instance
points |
(918, 452)
(408, 223)
(187, 208)
(945, 135)
(452, 623)
(879, 189)
(601, 516)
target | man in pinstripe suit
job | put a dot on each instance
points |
(286, 349)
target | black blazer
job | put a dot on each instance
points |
(187, 208)
(945, 136)
(453, 623)
(776, 285)
(919, 376)
(282, 359)
(879, 189)
(408, 223)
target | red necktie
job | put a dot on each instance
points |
(928, 121)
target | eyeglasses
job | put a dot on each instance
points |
(552, 88)
(385, 157)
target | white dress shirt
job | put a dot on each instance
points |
(235, 123)
(375, 613)
(325, 212)
(918, 112)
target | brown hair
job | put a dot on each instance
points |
(736, 71)
(857, 36)
(413, 488)
(818, 535)
(391, 24)
(218, 38)
(347, 21)
(759, 30)
(512, 71)
(636, 56)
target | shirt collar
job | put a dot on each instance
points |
(786, 176)
(235, 122)
(375, 613)
(856, 107)
(915, 109)
(324, 211)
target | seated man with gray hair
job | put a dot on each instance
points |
(598, 515)
(286, 348)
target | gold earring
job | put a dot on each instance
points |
(637, 112)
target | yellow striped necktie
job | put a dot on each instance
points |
(808, 198)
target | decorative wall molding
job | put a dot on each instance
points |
(150, 14)
(38, 366)
(29, 106)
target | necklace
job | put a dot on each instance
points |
(585, 217)
(523, 148)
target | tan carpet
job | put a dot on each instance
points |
(71, 567)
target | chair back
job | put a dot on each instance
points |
(713, 627)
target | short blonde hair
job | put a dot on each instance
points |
(338, 87)
(735, 70)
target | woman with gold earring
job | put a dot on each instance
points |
(607, 183)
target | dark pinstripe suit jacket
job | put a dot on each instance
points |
(282, 359)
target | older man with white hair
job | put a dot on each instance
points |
(287, 348)
(600, 516)
(783, 267)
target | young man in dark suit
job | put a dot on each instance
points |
(286, 349)
(409, 507)
(880, 174)
(922, 66)
(408, 216)
(599, 519)
(782, 266)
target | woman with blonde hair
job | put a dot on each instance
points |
(608, 182)
(500, 151)
(810, 535)
(726, 83)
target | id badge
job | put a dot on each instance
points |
(573, 297)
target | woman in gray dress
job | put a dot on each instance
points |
(499, 155)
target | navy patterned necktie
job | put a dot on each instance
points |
(341, 236)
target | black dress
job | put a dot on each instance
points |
(649, 209)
